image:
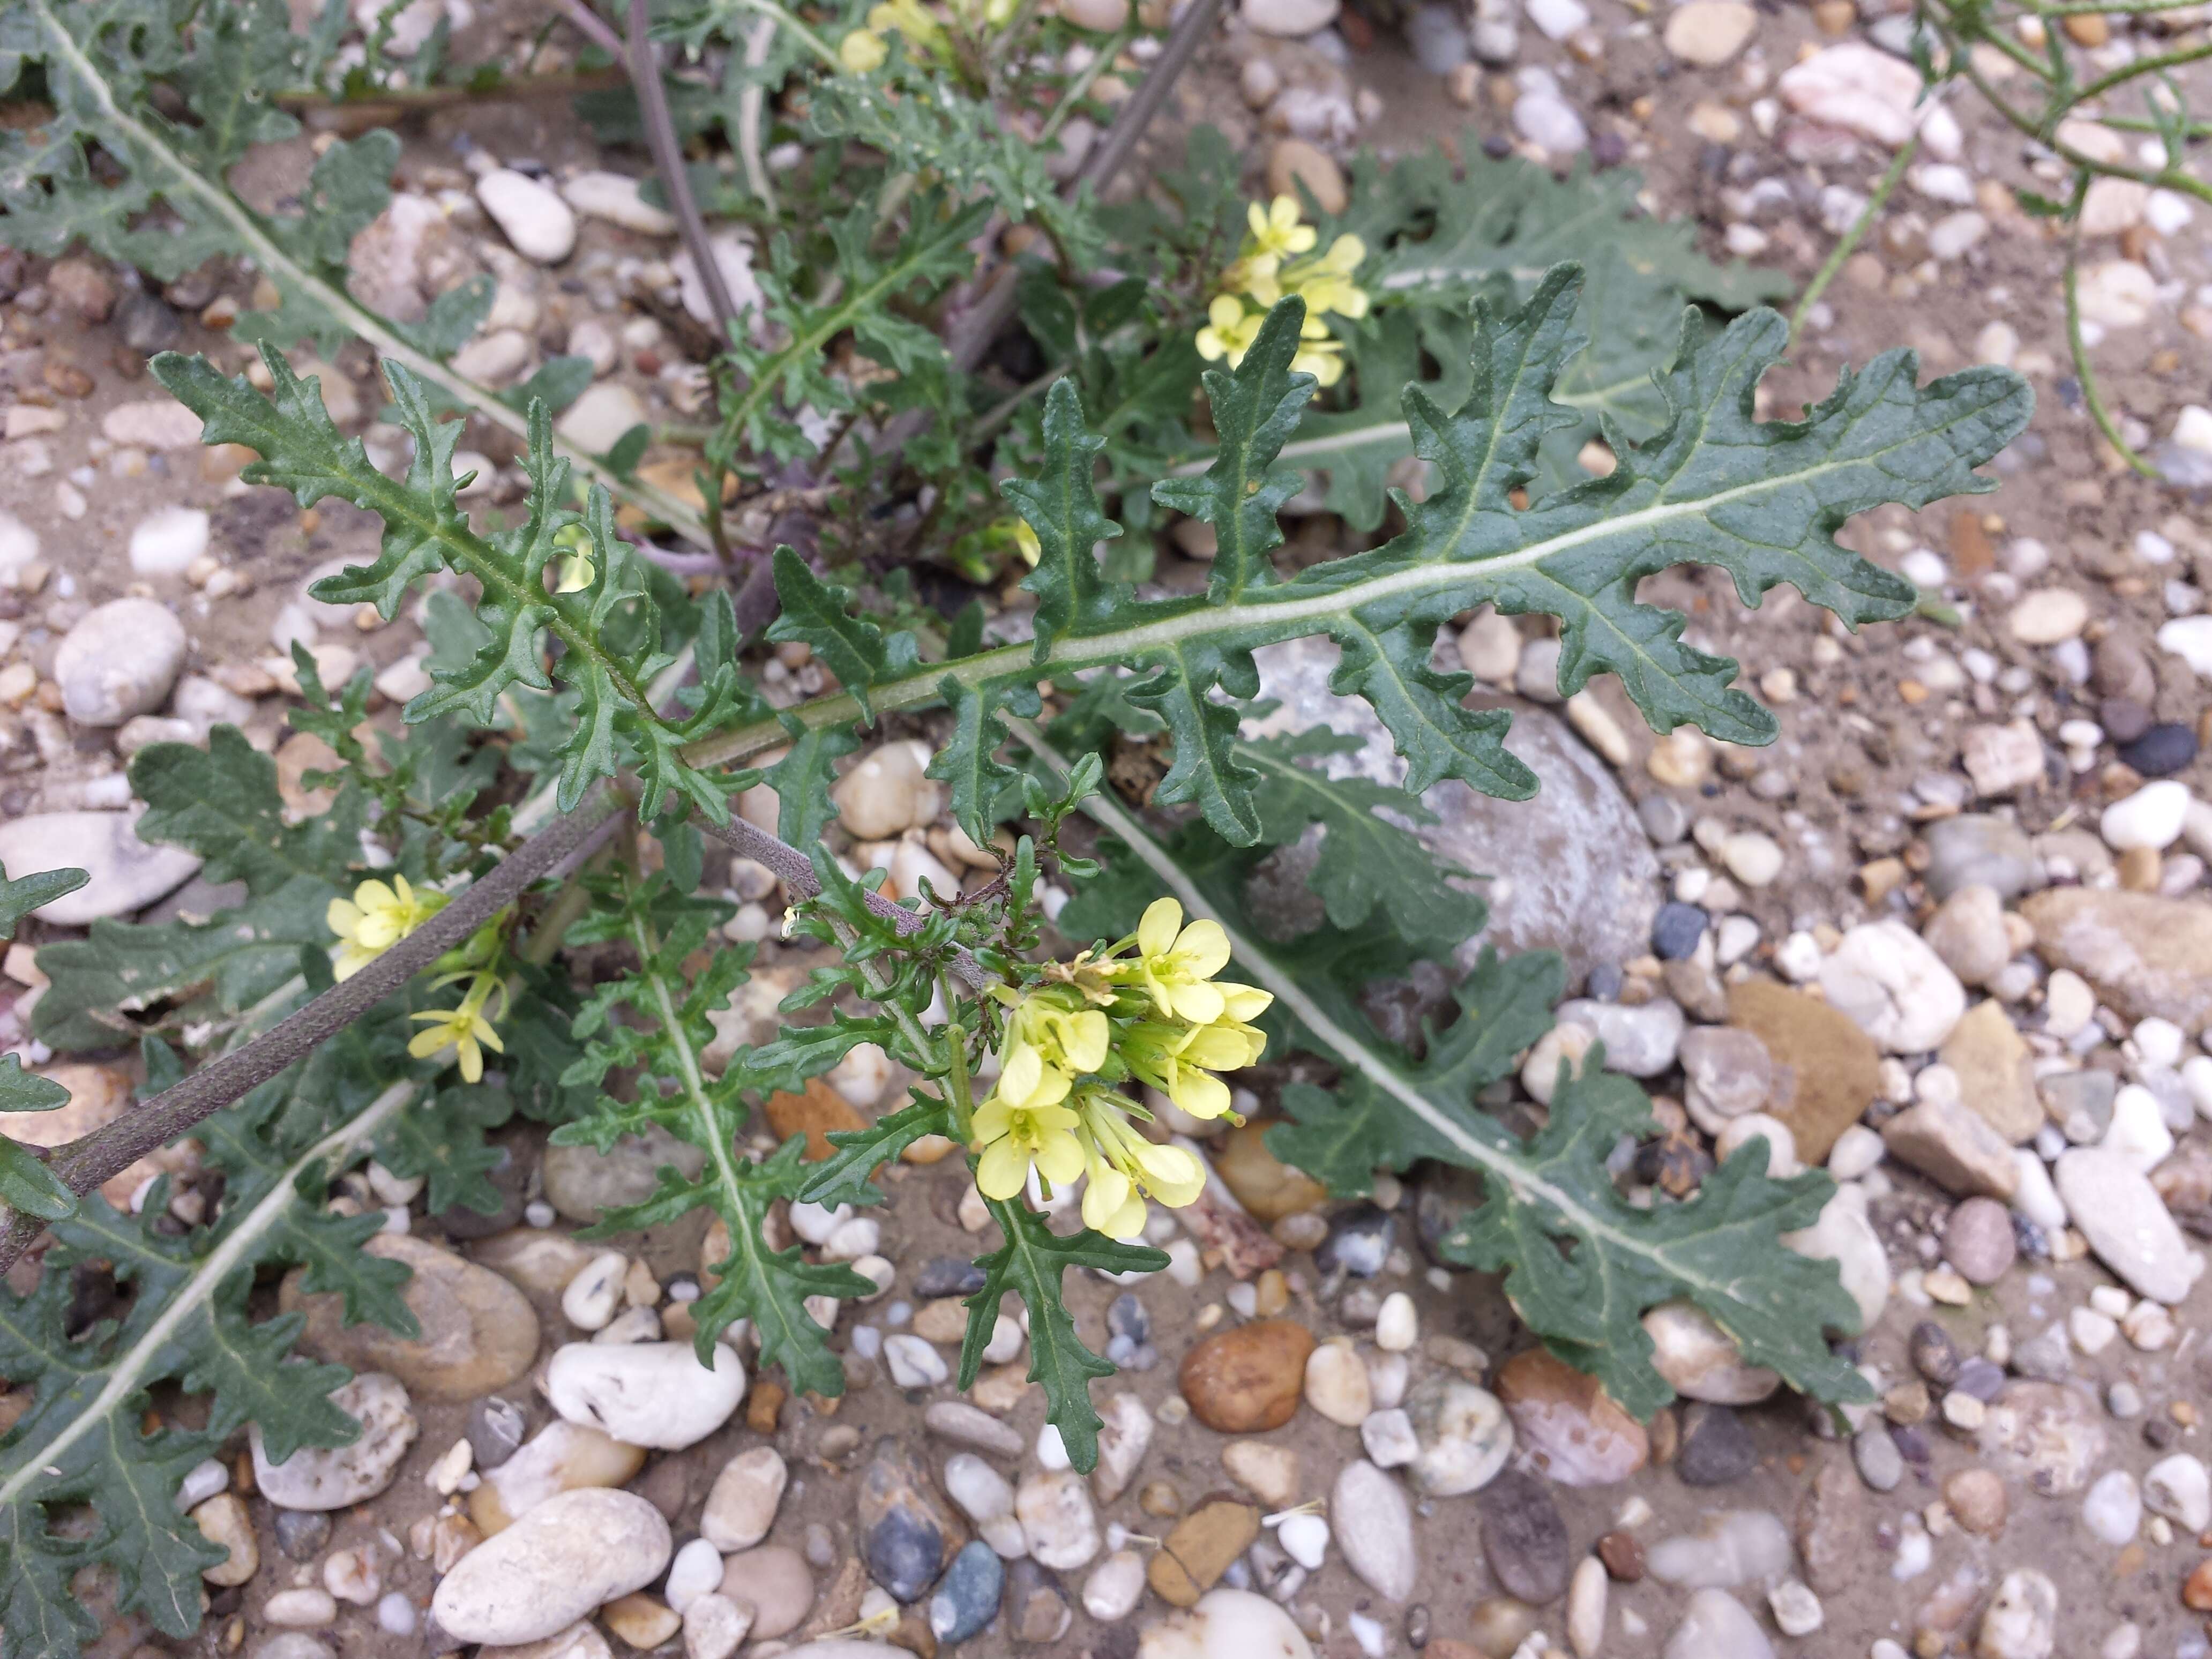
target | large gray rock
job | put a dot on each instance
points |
(127, 874)
(120, 660)
(1570, 871)
(579, 1182)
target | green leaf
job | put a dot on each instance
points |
(118, 970)
(222, 803)
(1062, 507)
(1582, 1264)
(822, 616)
(20, 894)
(441, 1140)
(1254, 412)
(27, 1184)
(1760, 499)
(1030, 1263)
(23, 1092)
(92, 1446)
(845, 1176)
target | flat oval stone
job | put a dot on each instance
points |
(1523, 1538)
(646, 1394)
(1248, 1380)
(570, 1554)
(127, 874)
(967, 1600)
(479, 1332)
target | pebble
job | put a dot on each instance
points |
(741, 1505)
(338, 1477)
(477, 1331)
(968, 1599)
(1289, 20)
(1304, 1538)
(1709, 33)
(127, 874)
(222, 1521)
(119, 661)
(1202, 1548)
(1226, 1623)
(1717, 1625)
(1336, 1383)
(1677, 928)
(561, 1457)
(1293, 164)
(539, 224)
(696, 1571)
(1730, 1547)
(1978, 1240)
(1896, 988)
(1125, 1435)
(646, 1394)
(2113, 1508)
(1523, 1538)
(1717, 1449)
(2023, 1620)
(1727, 1072)
(969, 1426)
(777, 1583)
(2180, 1488)
(596, 422)
(2120, 1214)
(1968, 933)
(1114, 1587)
(1587, 1591)
(2160, 750)
(1268, 1471)
(1700, 1360)
(616, 199)
(1641, 1042)
(1250, 1379)
(1358, 1242)
(915, 1363)
(570, 1554)
(2044, 1433)
(2150, 817)
(1463, 1435)
(2048, 615)
(168, 540)
(592, 1297)
(1373, 1527)
(1057, 1523)
(1954, 1148)
(904, 1536)
(715, 1625)
(2145, 955)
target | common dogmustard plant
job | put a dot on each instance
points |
(515, 904)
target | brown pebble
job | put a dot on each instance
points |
(68, 380)
(1160, 1499)
(764, 1406)
(814, 1115)
(1499, 1625)
(1976, 1497)
(1666, 1433)
(1192, 1558)
(2197, 1591)
(1622, 1555)
(1248, 1380)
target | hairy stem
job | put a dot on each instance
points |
(85, 1163)
(668, 161)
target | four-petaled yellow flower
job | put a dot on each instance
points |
(1229, 330)
(1013, 1136)
(1325, 283)
(377, 916)
(1276, 228)
(1051, 1032)
(1177, 964)
(466, 1030)
(1122, 1168)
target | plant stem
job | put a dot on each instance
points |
(1080, 88)
(2083, 370)
(1853, 237)
(668, 161)
(795, 871)
(85, 1163)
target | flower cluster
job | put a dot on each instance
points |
(377, 917)
(1150, 1009)
(865, 49)
(1277, 258)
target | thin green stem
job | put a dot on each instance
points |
(2083, 370)
(1080, 88)
(1853, 236)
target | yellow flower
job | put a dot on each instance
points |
(1123, 1168)
(1013, 1136)
(464, 1029)
(1325, 283)
(377, 917)
(1322, 359)
(1051, 1032)
(862, 51)
(1180, 1061)
(1175, 963)
(1276, 229)
(1229, 330)
(922, 32)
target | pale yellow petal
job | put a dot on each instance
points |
(1002, 1169)
(1059, 1159)
(1155, 932)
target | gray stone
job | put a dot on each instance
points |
(119, 661)
(2126, 1222)
(1717, 1627)
(338, 1477)
(1881, 1465)
(967, 1600)
(553, 1566)
(579, 1182)
(1374, 1525)
(127, 874)
(1717, 1448)
(1573, 871)
(1640, 1040)
(1978, 848)
(905, 1534)
(1437, 34)
(1523, 1538)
